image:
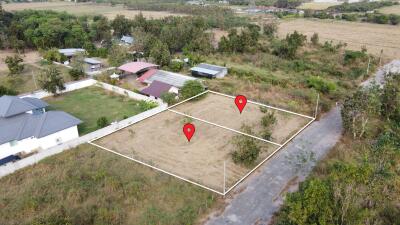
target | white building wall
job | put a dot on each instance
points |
(30, 144)
(58, 138)
(222, 73)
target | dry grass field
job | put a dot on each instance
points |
(395, 9)
(375, 37)
(29, 57)
(159, 140)
(317, 5)
(88, 9)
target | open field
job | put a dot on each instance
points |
(318, 5)
(87, 186)
(29, 57)
(91, 103)
(375, 37)
(158, 141)
(394, 9)
(88, 9)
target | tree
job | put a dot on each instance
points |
(13, 64)
(77, 63)
(270, 29)
(315, 39)
(169, 98)
(53, 55)
(117, 55)
(357, 110)
(6, 91)
(160, 53)
(51, 80)
(391, 97)
(191, 88)
(394, 19)
(121, 26)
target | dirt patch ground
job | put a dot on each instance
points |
(159, 140)
(318, 5)
(222, 110)
(89, 9)
(375, 37)
(29, 57)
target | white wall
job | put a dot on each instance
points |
(222, 73)
(29, 144)
(59, 137)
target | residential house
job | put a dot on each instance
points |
(209, 71)
(25, 126)
(157, 88)
(94, 64)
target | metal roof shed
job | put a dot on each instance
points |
(209, 71)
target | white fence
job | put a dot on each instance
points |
(71, 86)
(12, 167)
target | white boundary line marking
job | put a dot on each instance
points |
(226, 128)
(202, 93)
(268, 157)
(260, 104)
(192, 182)
(158, 169)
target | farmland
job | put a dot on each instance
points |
(375, 37)
(87, 9)
(88, 186)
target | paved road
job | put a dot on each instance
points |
(261, 196)
(262, 193)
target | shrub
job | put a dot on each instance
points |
(176, 66)
(14, 64)
(247, 150)
(268, 120)
(6, 91)
(53, 55)
(321, 85)
(350, 56)
(147, 105)
(102, 122)
(169, 98)
(394, 19)
(315, 39)
(270, 29)
(191, 88)
(76, 73)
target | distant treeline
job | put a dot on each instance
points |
(360, 6)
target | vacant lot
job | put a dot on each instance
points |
(159, 140)
(375, 37)
(317, 5)
(223, 111)
(87, 186)
(88, 9)
(91, 103)
(395, 9)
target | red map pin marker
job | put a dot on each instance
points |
(188, 130)
(240, 102)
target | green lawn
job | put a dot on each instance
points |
(87, 186)
(89, 104)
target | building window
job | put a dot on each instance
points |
(13, 143)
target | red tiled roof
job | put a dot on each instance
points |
(135, 67)
(156, 89)
(147, 75)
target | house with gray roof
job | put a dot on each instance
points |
(209, 71)
(174, 79)
(26, 126)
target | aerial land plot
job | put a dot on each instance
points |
(318, 5)
(159, 142)
(223, 111)
(375, 37)
(394, 9)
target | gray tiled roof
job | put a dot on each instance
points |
(12, 105)
(210, 67)
(174, 79)
(28, 125)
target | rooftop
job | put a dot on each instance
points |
(12, 105)
(156, 89)
(174, 79)
(127, 39)
(92, 61)
(70, 51)
(136, 67)
(208, 68)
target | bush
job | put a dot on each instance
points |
(176, 66)
(394, 19)
(321, 85)
(53, 55)
(268, 120)
(102, 122)
(191, 88)
(247, 149)
(169, 98)
(315, 39)
(76, 74)
(350, 56)
(147, 105)
(6, 91)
